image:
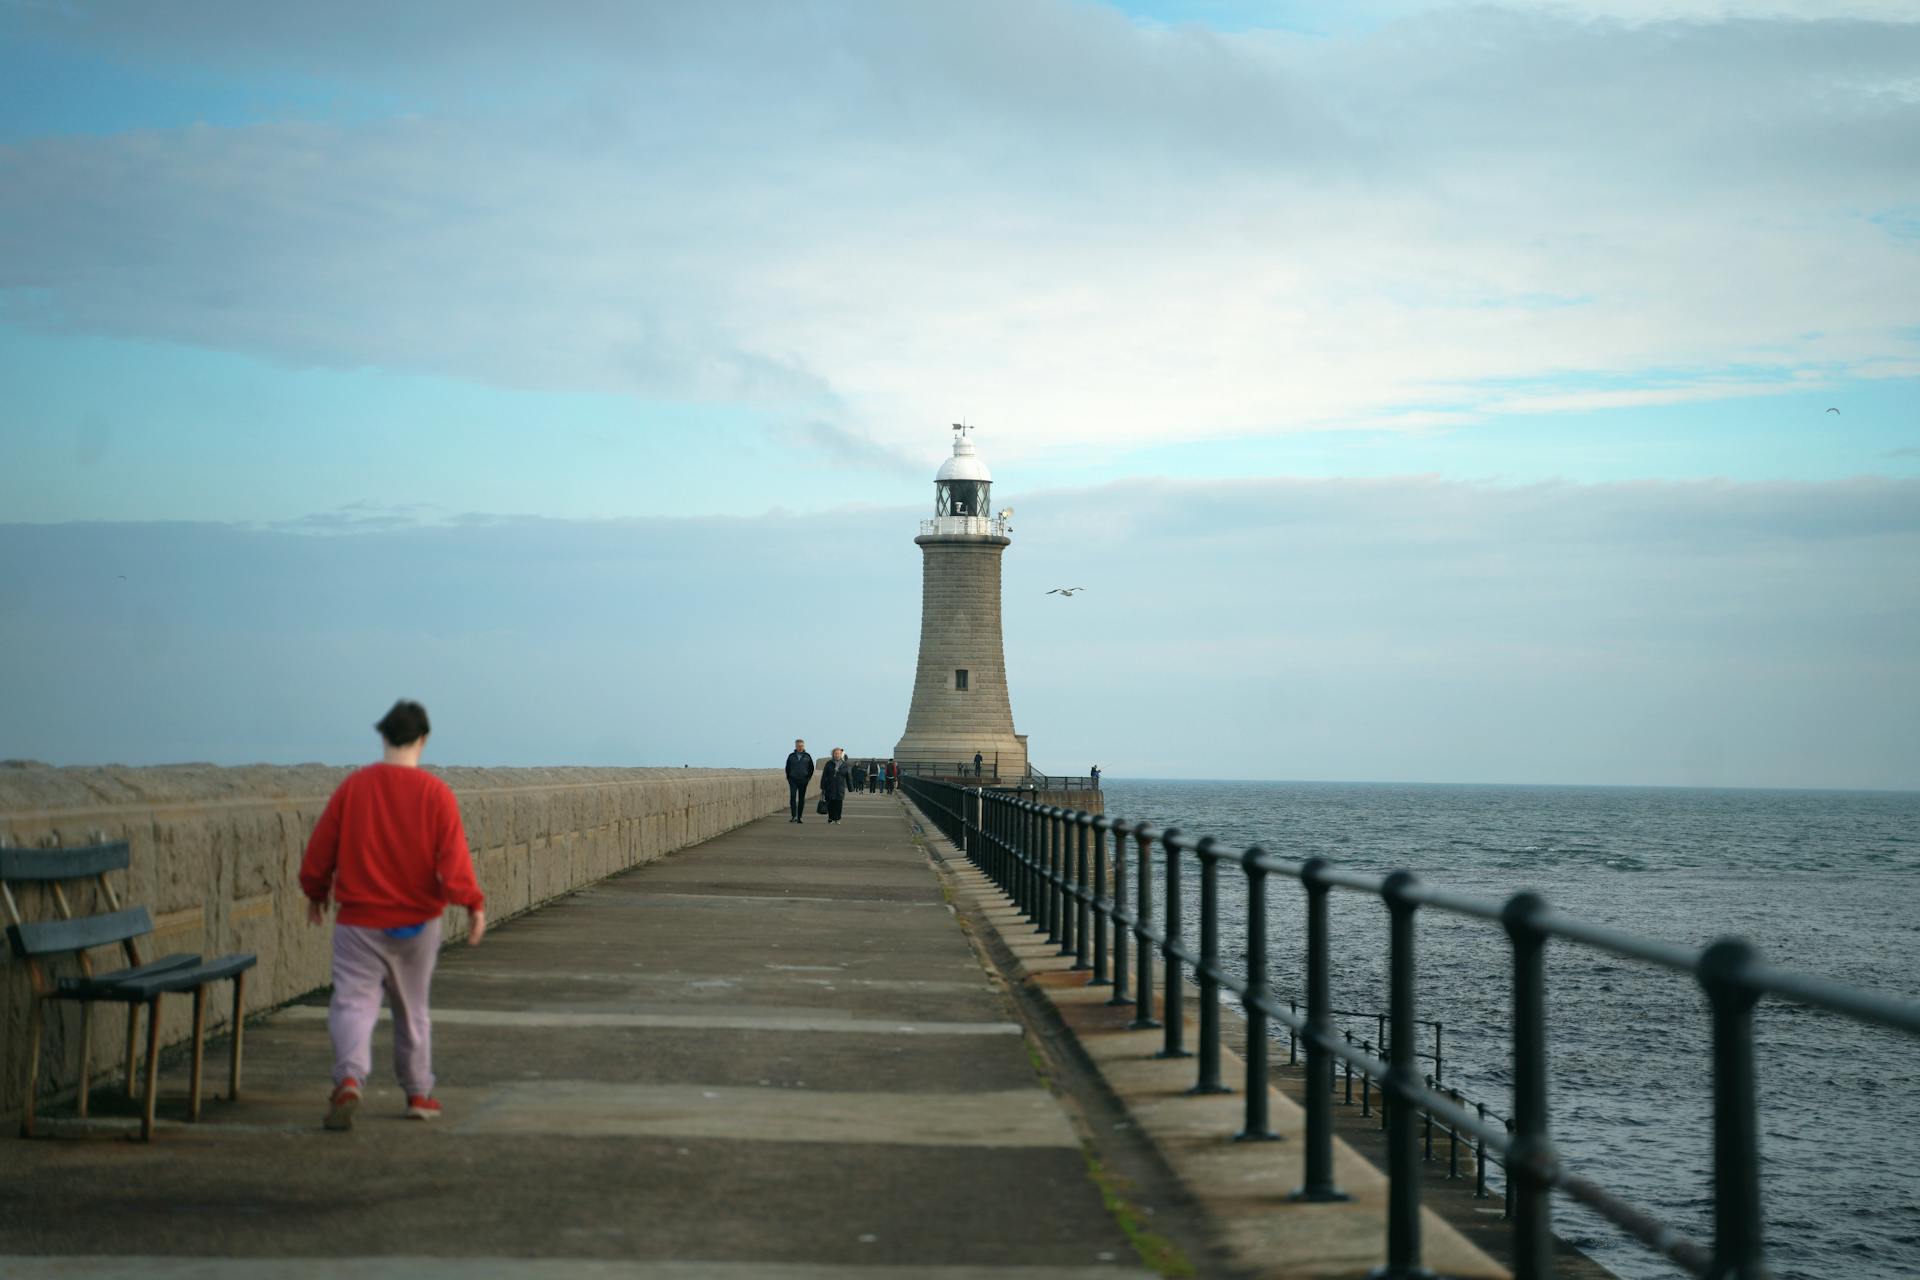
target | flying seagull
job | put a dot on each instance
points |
(1065, 591)
(1832, 410)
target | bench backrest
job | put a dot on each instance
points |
(63, 864)
(53, 937)
(70, 933)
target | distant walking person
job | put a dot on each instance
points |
(1096, 777)
(893, 775)
(874, 770)
(835, 778)
(799, 773)
(978, 760)
(390, 850)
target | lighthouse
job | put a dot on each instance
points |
(960, 705)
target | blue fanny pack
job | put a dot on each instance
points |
(406, 930)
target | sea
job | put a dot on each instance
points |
(1826, 882)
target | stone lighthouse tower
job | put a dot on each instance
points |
(960, 704)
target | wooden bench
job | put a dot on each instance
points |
(139, 984)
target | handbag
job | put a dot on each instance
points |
(821, 807)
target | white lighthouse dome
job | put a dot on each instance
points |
(965, 464)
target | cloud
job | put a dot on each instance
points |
(1079, 228)
(1396, 629)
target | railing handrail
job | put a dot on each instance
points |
(1031, 779)
(1029, 849)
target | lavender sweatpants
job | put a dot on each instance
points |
(365, 961)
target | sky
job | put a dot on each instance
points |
(1424, 391)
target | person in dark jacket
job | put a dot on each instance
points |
(799, 773)
(893, 775)
(835, 778)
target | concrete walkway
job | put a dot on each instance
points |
(773, 1055)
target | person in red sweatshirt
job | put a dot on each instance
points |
(391, 851)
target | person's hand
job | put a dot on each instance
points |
(476, 925)
(316, 912)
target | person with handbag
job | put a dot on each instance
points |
(835, 778)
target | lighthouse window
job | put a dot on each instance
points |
(960, 679)
(961, 497)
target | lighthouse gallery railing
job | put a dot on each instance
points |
(1056, 866)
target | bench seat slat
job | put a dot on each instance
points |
(95, 987)
(63, 864)
(50, 937)
(166, 982)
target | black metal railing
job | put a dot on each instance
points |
(988, 771)
(1067, 870)
(989, 775)
(1038, 781)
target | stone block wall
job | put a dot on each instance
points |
(216, 855)
(1091, 801)
(960, 630)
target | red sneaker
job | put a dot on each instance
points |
(340, 1107)
(419, 1108)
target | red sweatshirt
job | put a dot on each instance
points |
(391, 848)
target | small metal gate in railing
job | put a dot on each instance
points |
(1056, 866)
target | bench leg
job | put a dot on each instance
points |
(36, 1020)
(239, 1029)
(199, 1051)
(153, 1070)
(86, 1055)
(133, 1045)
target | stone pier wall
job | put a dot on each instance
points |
(216, 855)
(1091, 801)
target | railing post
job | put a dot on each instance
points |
(1142, 929)
(1480, 1157)
(1120, 993)
(1255, 1127)
(968, 824)
(1069, 903)
(1010, 849)
(1049, 875)
(1453, 1138)
(1083, 899)
(1506, 1184)
(1318, 1186)
(1426, 1128)
(996, 865)
(1209, 1078)
(1100, 968)
(1738, 1250)
(1030, 858)
(1529, 1155)
(1402, 1086)
(1174, 1042)
(992, 826)
(1347, 1100)
(1293, 1037)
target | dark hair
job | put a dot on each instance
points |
(405, 724)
